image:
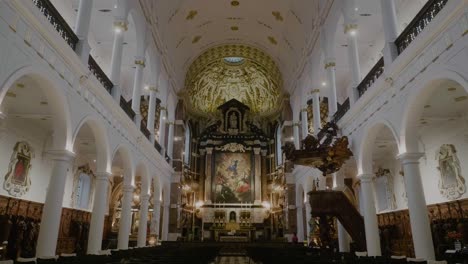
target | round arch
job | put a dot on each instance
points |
(365, 148)
(55, 96)
(420, 93)
(125, 155)
(101, 139)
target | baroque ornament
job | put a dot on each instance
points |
(233, 72)
(232, 147)
(451, 182)
(17, 180)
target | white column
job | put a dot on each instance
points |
(156, 217)
(142, 229)
(353, 59)
(330, 67)
(162, 130)
(390, 25)
(308, 217)
(170, 139)
(305, 122)
(52, 211)
(316, 111)
(165, 223)
(296, 125)
(96, 228)
(420, 227)
(125, 217)
(151, 112)
(370, 216)
(116, 62)
(137, 86)
(343, 236)
(300, 223)
(83, 20)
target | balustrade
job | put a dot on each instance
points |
(100, 75)
(57, 21)
(127, 108)
(342, 109)
(371, 77)
(144, 129)
(420, 21)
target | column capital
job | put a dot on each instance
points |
(121, 24)
(153, 88)
(350, 27)
(315, 91)
(256, 151)
(103, 175)
(304, 109)
(209, 151)
(127, 188)
(64, 155)
(329, 64)
(140, 61)
(296, 124)
(170, 123)
(264, 152)
(366, 177)
(163, 108)
(409, 157)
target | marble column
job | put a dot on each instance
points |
(419, 219)
(330, 68)
(165, 222)
(264, 175)
(120, 26)
(125, 217)
(353, 60)
(96, 228)
(142, 229)
(52, 211)
(208, 161)
(258, 176)
(390, 25)
(83, 19)
(296, 125)
(304, 121)
(370, 216)
(300, 223)
(170, 139)
(308, 217)
(151, 112)
(137, 86)
(156, 217)
(162, 130)
(316, 111)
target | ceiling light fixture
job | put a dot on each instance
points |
(353, 32)
(117, 30)
(356, 9)
(324, 84)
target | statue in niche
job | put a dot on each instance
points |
(233, 123)
(451, 182)
(232, 217)
(389, 188)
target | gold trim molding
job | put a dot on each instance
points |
(140, 62)
(350, 27)
(122, 25)
(330, 64)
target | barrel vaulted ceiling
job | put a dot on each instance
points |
(285, 30)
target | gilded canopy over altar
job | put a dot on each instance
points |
(233, 72)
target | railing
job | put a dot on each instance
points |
(57, 21)
(371, 77)
(157, 146)
(342, 109)
(144, 129)
(127, 108)
(420, 21)
(100, 75)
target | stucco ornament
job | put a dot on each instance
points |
(233, 72)
(451, 182)
(17, 179)
(232, 147)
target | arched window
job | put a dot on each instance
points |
(83, 191)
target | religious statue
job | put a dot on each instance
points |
(451, 182)
(233, 121)
(17, 179)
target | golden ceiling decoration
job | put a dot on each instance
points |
(191, 15)
(233, 71)
(277, 15)
(272, 40)
(196, 39)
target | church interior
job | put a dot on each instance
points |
(233, 131)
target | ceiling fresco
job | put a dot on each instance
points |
(233, 72)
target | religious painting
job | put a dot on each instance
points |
(232, 181)
(17, 179)
(451, 182)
